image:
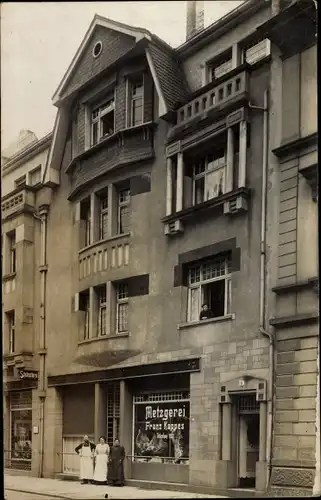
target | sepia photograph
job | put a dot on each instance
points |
(159, 249)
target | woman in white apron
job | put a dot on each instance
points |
(101, 454)
(85, 451)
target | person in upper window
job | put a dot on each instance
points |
(205, 313)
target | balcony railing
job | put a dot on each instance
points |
(104, 255)
(217, 96)
(16, 201)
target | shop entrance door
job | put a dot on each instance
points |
(248, 439)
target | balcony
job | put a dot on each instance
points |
(20, 200)
(104, 257)
(217, 100)
(125, 147)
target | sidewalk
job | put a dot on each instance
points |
(71, 490)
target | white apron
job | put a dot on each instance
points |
(102, 452)
(86, 463)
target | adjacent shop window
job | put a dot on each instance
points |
(103, 214)
(11, 238)
(86, 218)
(102, 309)
(209, 284)
(122, 308)
(103, 120)
(209, 173)
(35, 176)
(136, 111)
(123, 223)
(220, 66)
(161, 427)
(11, 331)
(255, 50)
(21, 430)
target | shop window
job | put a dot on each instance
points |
(21, 430)
(103, 120)
(11, 331)
(209, 285)
(161, 427)
(136, 103)
(122, 308)
(123, 222)
(103, 214)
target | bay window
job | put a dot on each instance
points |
(103, 120)
(209, 283)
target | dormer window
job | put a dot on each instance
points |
(103, 120)
(222, 65)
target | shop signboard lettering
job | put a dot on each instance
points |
(28, 375)
(162, 430)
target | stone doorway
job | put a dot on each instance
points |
(248, 439)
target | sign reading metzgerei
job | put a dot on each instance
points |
(28, 375)
(162, 429)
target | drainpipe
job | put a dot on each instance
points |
(262, 304)
(43, 214)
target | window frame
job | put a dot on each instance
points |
(12, 268)
(227, 277)
(103, 212)
(131, 99)
(21, 181)
(102, 311)
(120, 301)
(102, 110)
(222, 60)
(206, 173)
(12, 331)
(31, 173)
(121, 205)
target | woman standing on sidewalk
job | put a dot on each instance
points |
(116, 465)
(101, 454)
(85, 451)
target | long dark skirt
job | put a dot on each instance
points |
(115, 476)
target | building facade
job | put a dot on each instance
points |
(157, 199)
(23, 167)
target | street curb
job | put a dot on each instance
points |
(49, 495)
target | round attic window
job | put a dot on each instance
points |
(98, 47)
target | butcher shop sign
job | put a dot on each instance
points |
(162, 429)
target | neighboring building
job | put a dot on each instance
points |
(292, 231)
(159, 196)
(22, 171)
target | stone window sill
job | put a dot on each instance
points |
(228, 317)
(106, 240)
(103, 337)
